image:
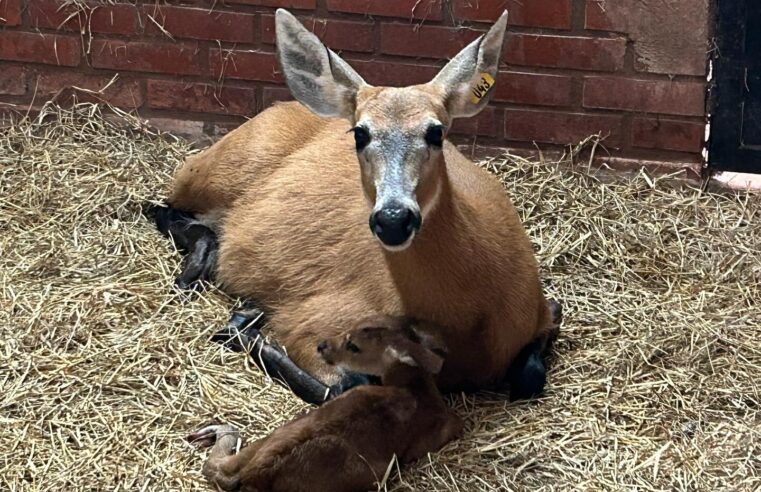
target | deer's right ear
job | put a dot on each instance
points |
(316, 76)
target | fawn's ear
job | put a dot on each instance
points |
(466, 82)
(428, 360)
(316, 76)
(428, 336)
(416, 355)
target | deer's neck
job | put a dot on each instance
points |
(445, 235)
(439, 277)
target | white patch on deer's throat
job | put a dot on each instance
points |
(433, 201)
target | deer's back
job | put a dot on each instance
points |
(217, 177)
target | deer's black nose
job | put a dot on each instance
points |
(394, 225)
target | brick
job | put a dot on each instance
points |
(667, 135)
(604, 54)
(337, 35)
(532, 88)
(12, 81)
(145, 57)
(429, 41)
(394, 74)
(483, 124)
(270, 95)
(122, 92)
(666, 37)
(10, 12)
(560, 128)
(405, 9)
(286, 4)
(51, 49)
(182, 22)
(247, 65)
(555, 14)
(597, 17)
(202, 98)
(112, 19)
(649, 96)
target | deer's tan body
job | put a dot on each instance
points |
(290, 194)
(286, 191)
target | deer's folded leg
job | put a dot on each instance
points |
(192, 238)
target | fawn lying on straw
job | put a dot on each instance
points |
(349, 442)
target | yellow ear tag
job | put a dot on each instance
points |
(482, 87)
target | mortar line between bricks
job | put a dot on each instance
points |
(321, 8)
(257, 21)
(578, 16)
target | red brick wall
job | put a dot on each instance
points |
(634, 71)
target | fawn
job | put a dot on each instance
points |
(348, 443)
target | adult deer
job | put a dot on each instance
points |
(290, 194)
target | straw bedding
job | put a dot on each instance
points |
(654, 383)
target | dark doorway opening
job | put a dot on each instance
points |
(735, 143)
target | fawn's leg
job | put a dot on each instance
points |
(223, 466)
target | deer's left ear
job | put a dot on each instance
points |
(466, 82)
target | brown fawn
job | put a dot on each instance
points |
(278, 210)
(347, 444)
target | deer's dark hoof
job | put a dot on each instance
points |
(192, 238)
(528, 373)
(242, 330)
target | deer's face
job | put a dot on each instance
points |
(363, 351)
(399, 132)
(399, 135)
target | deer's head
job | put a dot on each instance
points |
(399, 132)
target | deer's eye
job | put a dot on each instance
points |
(361, 137)
(351, 347)
(434, 135)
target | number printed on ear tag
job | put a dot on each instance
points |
(482, 87)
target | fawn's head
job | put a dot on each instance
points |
(380, 343)
(399, 131)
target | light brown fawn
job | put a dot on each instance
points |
(347, 444)
(290, 194)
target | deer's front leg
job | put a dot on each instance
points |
(242, 334)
